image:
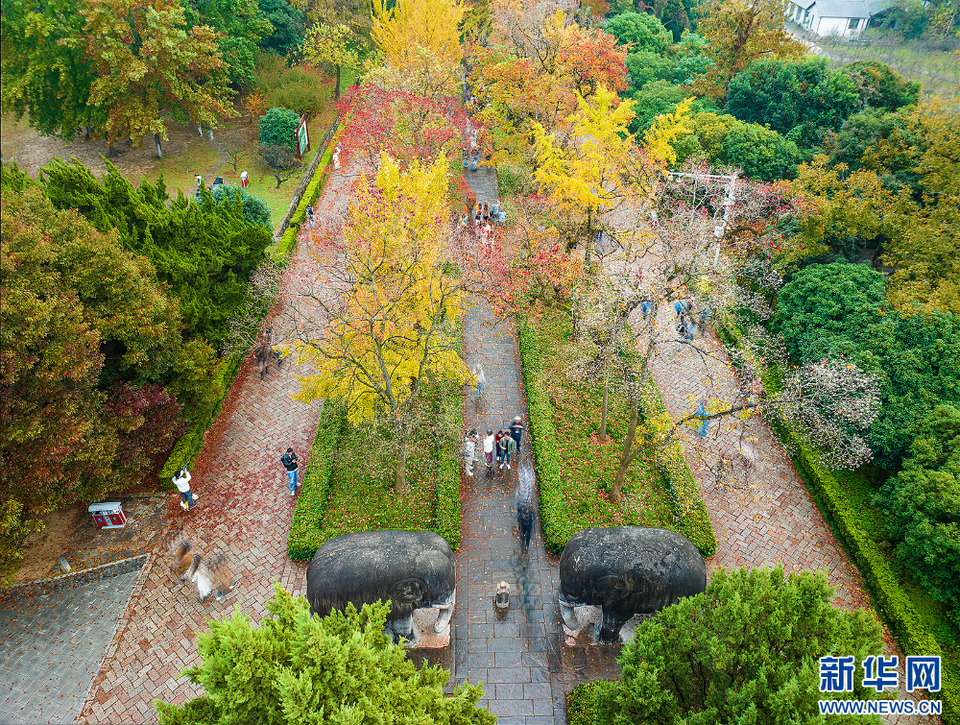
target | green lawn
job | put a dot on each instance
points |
(361, 494)
(587, 466)
(185, 156)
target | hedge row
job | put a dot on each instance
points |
(282, 250)
(305, 532)
(448, 470)
(689, 510)
(914, 638)
(190, 444)
(544, 440)
(187, 449)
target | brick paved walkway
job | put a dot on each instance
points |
(770, 517)
(244, 506)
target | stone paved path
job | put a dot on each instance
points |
(518, 657)
(244, 506)
(770, 517)
(52, 637)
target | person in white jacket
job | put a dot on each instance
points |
(488, 445)
(469, 452)
(182, 481)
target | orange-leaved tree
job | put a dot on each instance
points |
(149, 65)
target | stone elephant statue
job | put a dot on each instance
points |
(413, 569)
(627, 570)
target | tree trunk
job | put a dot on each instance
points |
(606, 388)
(400, 482)
(111, 152)
(616, 491)
(156, 140)
(336, 90)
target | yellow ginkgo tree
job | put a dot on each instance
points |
(596, 168)
(420, 44)
(384, 319)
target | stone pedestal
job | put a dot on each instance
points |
(589, 621)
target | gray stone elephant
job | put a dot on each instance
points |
(627, 570)
(413, 569)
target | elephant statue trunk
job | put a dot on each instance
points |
(411, 569)
(627, 570)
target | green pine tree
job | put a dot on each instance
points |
(306, 670)
(744, 651)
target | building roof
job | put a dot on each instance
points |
(849, 8)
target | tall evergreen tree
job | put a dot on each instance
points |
(743, 651)
(205, 251)
(306, 670)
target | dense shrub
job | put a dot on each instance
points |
(645, 66)
(187, 449)
(299, 89)
(764, 631)
(805, 98)
(804, 94)
(205, 252)
(923, 506)
(289, 26)
(278, 127)
(643, 30)
(822, 308)
(880, 86)
(583, 703)
(305, 529)
(761, 152)
(837, 310)
(255, 209)
(895, 603)
(913, 637)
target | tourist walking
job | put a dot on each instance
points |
(181, 480)
(501, 449)
(704, 423)
(647, 308)
(509, 447)
(480, 377)
(469, 452)
(516, 431)
(489, 443)
(289, 461)
(525, 517)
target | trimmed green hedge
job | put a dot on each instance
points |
(544, 440)
(187, 449)
(448, 470)
(911, 633)
(305, 535)
(689, 510)
(688, 507)
(914, 638)
(282, 250)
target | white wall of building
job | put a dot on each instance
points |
(838, 26)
